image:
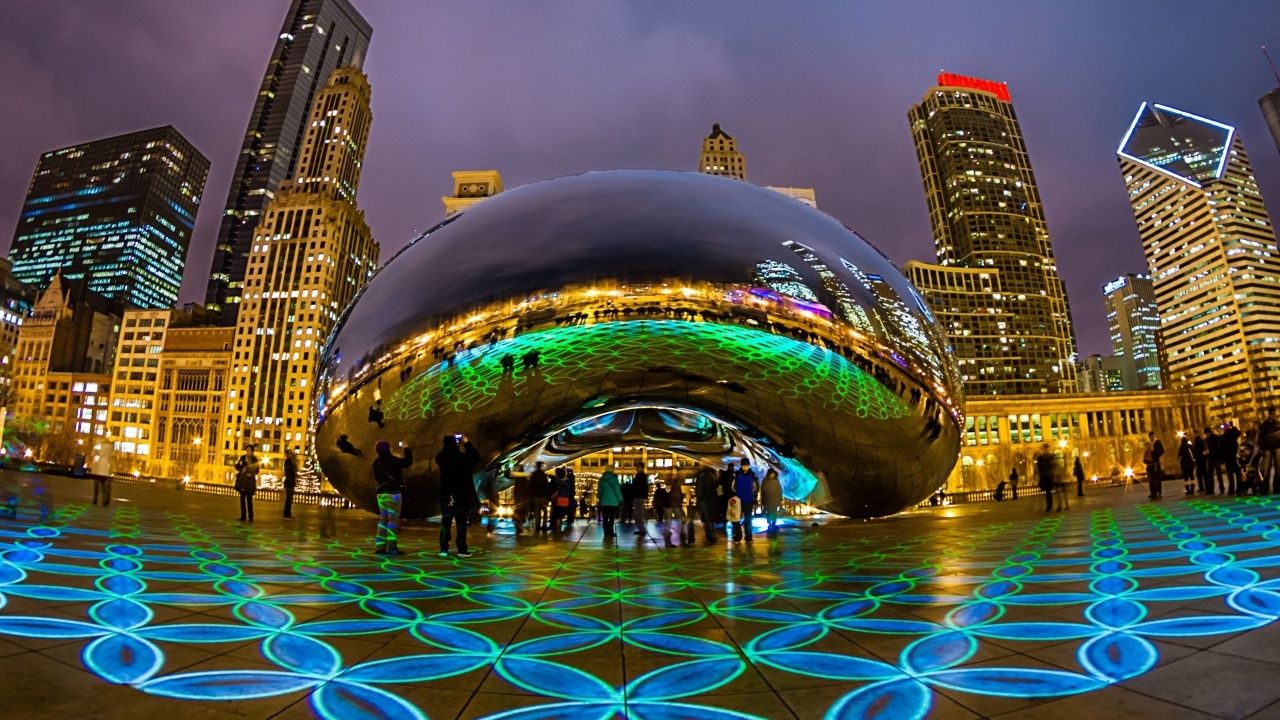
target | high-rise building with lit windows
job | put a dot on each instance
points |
(986, 214)
(117, 213)
(720, 155)
(1211, 251)
(1134, 322)
(310, 254)
(317, 37)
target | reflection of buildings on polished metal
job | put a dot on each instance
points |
(708, 318)
(995, 289)
(1211, 250)
(470, 187)
(1107, 431)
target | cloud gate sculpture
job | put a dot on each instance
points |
(698, 314)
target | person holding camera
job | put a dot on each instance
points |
(457, 461)
(388, 472)
(247, 481)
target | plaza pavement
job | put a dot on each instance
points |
(163, 606)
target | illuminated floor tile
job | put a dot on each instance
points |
(1000, 609)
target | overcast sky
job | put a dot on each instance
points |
(816, 93)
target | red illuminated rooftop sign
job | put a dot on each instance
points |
(998, 89)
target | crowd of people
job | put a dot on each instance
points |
(1221, 459)
(727, 498)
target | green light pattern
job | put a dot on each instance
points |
(761, 361)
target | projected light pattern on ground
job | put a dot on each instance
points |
(771, 364)
(891, 622)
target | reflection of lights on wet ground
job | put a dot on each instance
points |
(1109, 578)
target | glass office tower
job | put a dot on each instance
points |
(117, 213)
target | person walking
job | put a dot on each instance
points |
(678, 524)
(745, 488)
(1046, 469)
(707, 485)
(1187, 463)
(388, 473)
(247, 481)
(1013, 482)
(540, 487)
(1269, 446)
(457, 461)
(290, 481)
(659, 500)
(640, 495)
(1078, 471)
(609, 498)
(771, 499)
(1200, 451)
(1229, 447)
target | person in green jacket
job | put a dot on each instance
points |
(610, 498)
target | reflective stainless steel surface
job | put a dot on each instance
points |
(695, 313)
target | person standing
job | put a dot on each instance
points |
(659, 500)
(1269, 446)
(1214, 443)
(103, 483)
(1200, 451)
(707, 483)
(540, 496)
(290, 481)
(1046, 469)
(745, 487)
(520, 493)
(727, 477)
(771, 499)
(1187, 463)
(640, 495)
(457, 461)
(1078, 471)
(563, 499)
(1151, 458)
(247, 481)
(628, 503)
(1229, 446)
(609, 497)
(1013, 482)
(388, 473)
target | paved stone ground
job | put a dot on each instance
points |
(163, 606)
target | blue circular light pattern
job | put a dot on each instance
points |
(806, 607)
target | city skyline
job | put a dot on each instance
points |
(526, 106)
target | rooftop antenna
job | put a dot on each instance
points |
(1273, 65)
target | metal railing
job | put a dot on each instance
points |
(270, 494)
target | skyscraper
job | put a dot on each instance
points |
(720, 155)
(1212, 254)
(1134, 323)
(1270, 104)
(318, 37)
(986, 215)
(310, 254)
(117, 213)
